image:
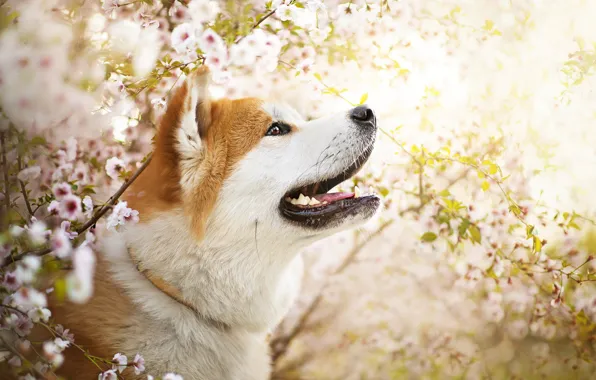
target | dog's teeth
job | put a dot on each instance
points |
(313, 202)
(357, 192)
(303, 200)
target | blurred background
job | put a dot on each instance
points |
(480, 264)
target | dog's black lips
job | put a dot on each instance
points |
(327, 215)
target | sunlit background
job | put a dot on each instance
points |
(460, 88)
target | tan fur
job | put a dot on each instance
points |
(97, 325)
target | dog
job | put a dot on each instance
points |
(235, 190)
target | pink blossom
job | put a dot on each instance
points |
(114, 166)
(122, 214)
(88, 205)
(286, 12)
(70, 207)
(172, 376)
(60, 243)
(203, 11)
(119, 362)
(139, 364)
(15, 361)
(10, 281)
(61, 343)
(80, 281)
(210, 42)
(39, 314)
(108, 375)
(64, 333)
(53, 353)
(28, 298)
(54, 207)
(27, 269)
(38, 232)
(29, 173)
(21, 324)
(65, 226)
(242, 54)
(184, 37)
(61, 190)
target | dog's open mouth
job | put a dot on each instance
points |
(314, 206)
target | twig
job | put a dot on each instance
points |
(98, 214)
(5, 170)
(114, 198)
(256, 25)
(24, 189)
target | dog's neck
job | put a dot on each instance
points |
(230, 279)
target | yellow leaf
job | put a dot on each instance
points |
(485, 185)
(364, 98)
(492, 169)
(537, 244)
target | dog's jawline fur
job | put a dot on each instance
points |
(202, 232)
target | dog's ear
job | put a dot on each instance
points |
(195, 117)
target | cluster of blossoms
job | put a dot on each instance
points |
(472, 272)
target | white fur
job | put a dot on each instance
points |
(246, 273)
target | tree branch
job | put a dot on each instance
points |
(114, 198)
(24, 189)
(256, 25)
(98, 214)
(5, 171)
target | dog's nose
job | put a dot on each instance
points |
(363, 115)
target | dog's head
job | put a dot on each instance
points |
(236, 167)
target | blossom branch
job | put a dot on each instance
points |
(98, 214)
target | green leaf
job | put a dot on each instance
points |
(529, 231)
(363, 98)
(463, 227)
(38, 140)
(429, 237)
(475, 234)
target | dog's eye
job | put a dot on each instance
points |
(278, 129)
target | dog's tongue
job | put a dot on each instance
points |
(333, 197)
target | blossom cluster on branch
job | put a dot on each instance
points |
(469, 272)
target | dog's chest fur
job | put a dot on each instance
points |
(239, 302)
